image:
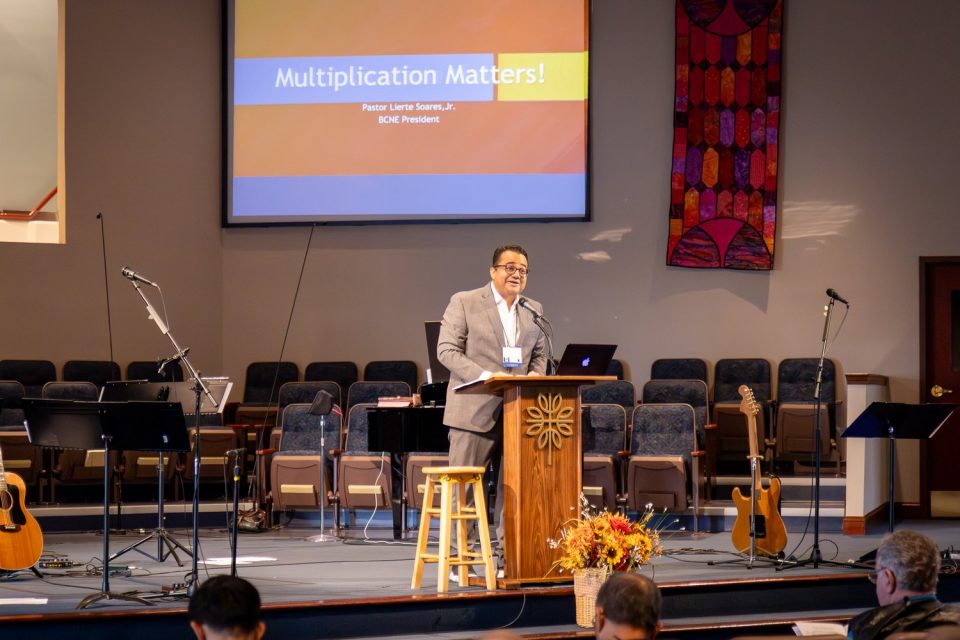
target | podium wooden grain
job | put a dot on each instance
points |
(541, 485)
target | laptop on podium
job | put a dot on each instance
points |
(586, 359)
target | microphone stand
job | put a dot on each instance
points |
(236, 509)
(320, 408)
(816, 558)
(547, 330)
(200, 389)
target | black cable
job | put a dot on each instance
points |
(106, 282)
(257, 467)
(283, 345)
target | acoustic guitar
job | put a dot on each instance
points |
(760, 509)
(21, 541)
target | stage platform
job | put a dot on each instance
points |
(359, 586)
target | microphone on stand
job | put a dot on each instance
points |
(540, 320)
(176, 357)
(523, 302)
(130, 274)
(836, 296)
(322, 403)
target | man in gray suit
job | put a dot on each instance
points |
(486, 332)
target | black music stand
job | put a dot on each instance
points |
(897, 421)
(164, 430)
(74, 424)
(125, 390)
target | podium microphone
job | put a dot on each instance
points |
(541, 321)
(132, 275)
(836, 296)
(523, 302)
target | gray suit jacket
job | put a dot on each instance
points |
(471, 342)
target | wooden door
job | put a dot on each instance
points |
(940, 382)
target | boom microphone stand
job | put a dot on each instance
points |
(200, 389)
(816, 558)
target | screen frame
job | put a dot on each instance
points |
(227, 222)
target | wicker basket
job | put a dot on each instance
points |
(586, 584)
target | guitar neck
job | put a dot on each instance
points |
(754, 447)
(3, 474)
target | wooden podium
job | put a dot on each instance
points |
(542, 464)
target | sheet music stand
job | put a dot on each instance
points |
(898, 421)
(125, 390)
(73, 424)
(163, 430)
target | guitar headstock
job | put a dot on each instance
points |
(748, 404)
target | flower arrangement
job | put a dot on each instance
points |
(607, 541)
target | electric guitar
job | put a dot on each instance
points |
(760, 509)
(21, 541)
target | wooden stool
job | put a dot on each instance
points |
(450, 478)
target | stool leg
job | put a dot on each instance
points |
(443, 553)
(490, 573)
(423, 534)
(463, 575)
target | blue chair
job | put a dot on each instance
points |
(603, 430)
(367, 392)
(391, 370)
(795, 426)
(32, 374)
(732, 444)
(679, 369)
(621, 392)
(99, 372)
(664, 463)
(295, 466)
(364, 479)
(343, 372)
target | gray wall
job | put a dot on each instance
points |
(867, 155)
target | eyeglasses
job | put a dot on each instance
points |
(512, 269)
(872, 576)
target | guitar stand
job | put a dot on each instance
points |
(751, 557)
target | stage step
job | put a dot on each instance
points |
(792, 488)
(796, 506)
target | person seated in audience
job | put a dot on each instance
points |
(226, 608)
(949, 632)
(628, 608)
(906, 572)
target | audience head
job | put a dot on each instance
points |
(628, 608)
(907, 565)
(226, 607)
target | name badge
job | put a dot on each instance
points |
(512, 357)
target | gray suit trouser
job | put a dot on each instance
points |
(474, 449)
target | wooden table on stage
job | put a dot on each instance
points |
(542, 466)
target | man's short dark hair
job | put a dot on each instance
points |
(913, 557)
(226, 603)
(508, 247)
(631, 599)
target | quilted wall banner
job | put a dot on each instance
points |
(723, 192)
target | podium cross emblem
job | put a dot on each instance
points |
(549, 422)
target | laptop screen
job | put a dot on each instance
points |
(586, 359)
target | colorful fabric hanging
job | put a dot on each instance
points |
(726, 123)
